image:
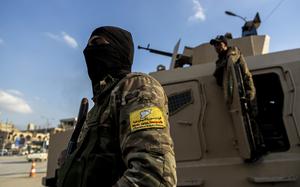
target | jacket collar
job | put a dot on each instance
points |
(103, 87)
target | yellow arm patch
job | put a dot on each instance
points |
(147, 118)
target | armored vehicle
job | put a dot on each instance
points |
(211, 139)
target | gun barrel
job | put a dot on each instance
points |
(83, 110)
(145, 48)
(164, 53)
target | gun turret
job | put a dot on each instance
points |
(164, 53)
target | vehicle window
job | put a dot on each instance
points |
(178, 101)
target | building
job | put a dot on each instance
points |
(6, 131)
(32, 139)
(68, 123)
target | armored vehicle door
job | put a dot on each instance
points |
(182, 102)
(240, 121)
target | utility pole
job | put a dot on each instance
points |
(4, 139)
(47, 126)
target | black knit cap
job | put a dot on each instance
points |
(118, 38)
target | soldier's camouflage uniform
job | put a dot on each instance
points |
(223, 74)
(126, 138)
(234, 55)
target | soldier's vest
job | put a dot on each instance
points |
(97, 160)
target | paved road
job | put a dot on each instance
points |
(14, 172)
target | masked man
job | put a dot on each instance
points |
(126, 138)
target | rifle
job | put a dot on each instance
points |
(250, 123)
(164, 53)
(83, 110)
(179, 60)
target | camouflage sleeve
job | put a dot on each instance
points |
(233, 54)
(146, 145)
(248, 81)
(236, 56)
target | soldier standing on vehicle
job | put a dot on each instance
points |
(224, 53)
(126, 137)
(246, 88)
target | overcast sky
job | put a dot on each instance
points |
(43, 72)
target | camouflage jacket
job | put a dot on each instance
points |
(234, 55)
(126, 140)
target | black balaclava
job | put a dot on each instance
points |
(114, 59)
